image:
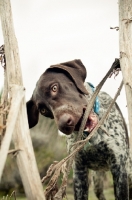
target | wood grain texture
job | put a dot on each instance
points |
(21, 137)
(125, 43)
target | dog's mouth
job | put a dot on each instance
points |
(68, 123)
(91, 123)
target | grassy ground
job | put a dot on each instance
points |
(108, 193)
(108, 190)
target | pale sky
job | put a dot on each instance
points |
(54, 31)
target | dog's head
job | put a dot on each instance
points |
(60, 94)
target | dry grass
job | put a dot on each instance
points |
(108, 189)
(108, 194)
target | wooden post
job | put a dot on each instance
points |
(21, 136)
(125, 40)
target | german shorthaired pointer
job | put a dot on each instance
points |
(60, 93)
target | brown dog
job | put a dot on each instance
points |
(60, 94)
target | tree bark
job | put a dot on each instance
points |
(21, 138)
(125, 44)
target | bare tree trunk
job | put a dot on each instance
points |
(22, 140)
(125, 29)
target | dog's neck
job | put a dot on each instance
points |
(89, 89)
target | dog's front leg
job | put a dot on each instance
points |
(80, 181)
(120, 180)
(98, 179)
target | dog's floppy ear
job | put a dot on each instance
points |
(76, 70)
(32, 113)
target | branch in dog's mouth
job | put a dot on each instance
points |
(92, 121)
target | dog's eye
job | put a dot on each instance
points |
(54, 88)
(43, 111)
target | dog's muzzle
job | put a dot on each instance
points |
(66, 123)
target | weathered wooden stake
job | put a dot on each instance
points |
(21, 137)
(125, 40)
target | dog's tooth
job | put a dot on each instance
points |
(87, 129)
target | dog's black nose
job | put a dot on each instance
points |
(66, 123)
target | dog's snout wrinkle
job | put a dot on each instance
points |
(68, 109)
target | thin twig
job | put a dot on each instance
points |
(129, 20)
(90, 106)
(83, 142)
(13, 151)
(116, 28)
(13, 194)
(92, 100)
